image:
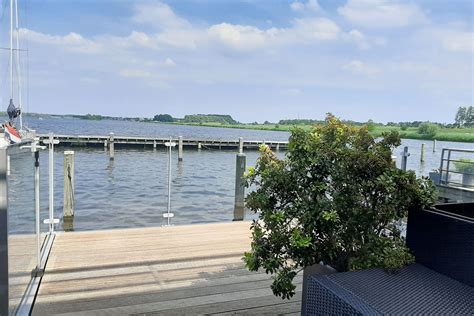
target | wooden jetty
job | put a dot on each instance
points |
(154, 142)
(177, 270)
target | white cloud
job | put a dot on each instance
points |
(241, 37)
(314, 29)
(291, 92)
(169, 62)
(73, 42)
(160, 15)
(138, 49)
(247, 38)
(310, 5)
(358, 67)
(382, 13)
(457, 41)
(134, 73)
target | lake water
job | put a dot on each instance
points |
(131, 190)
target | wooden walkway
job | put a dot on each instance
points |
(154, 142)
(179, 270)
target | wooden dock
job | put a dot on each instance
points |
(178, 270)
(154, 142)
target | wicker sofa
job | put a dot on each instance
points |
(440, 282)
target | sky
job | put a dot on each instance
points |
(257, 60)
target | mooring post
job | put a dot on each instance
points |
(105, 143)
(241, 145)
(154, 144)
(422, 155)
(199, 146)
(68, 201)
(278, 146)
(405, 156)
(180, 148)
(434, 145)
(239, 202)
(111, 146)
(4, 278)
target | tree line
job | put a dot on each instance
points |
(464, 117)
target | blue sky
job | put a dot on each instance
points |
(256, 60)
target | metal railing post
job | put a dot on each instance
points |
(447, 166)
(168, 215)
(4, 282)
(37, 210)
(51, 142)
(441, 166)
(35, 150)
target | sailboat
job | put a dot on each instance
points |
(13, 130)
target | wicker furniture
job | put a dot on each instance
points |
(442, 239)
(440, 283)
(413, 290)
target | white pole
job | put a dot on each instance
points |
(169, 183)
(37, 210)
(51, 183)
(11, 49)
(18, 63)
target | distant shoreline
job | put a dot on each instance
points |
(464, 135)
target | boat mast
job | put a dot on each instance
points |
(18, 73)
(11, 49)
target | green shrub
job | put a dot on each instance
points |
(464, 166)
(428, 129)
(336, 197)
(164, 118)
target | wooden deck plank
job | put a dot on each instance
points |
(236, 305)
(172, 270)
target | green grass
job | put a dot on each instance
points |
(444, 134)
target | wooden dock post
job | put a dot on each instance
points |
(105, 143)
(68, 201)
(405, 156)
(278, 146)
(241, 145)
(434, 145)
(111, 146)
(180, 148)
(422, 155)
(154, 144)
(239, 202)
(199, 146)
